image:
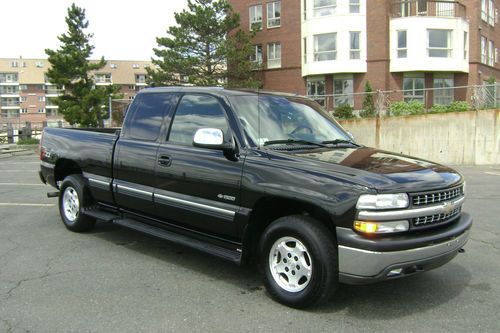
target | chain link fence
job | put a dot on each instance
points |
(415, 101)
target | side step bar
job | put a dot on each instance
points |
(100, 214)
(196, 244)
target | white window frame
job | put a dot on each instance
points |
(466, 44)
(257, 57)
(317, 53)
(313, 87)
(448, 48)
(272, 20)
(443, 95)
(402, 52)
(484, 49)
(414, 94)
(114, 66)
(354, 54)
(23, 110)
(39, 64)
(274, 55)
(491, 53)
(491, 13)
(255, 21)
(354, 6)
(41, 110)
(484, 10)
(346, 95)
(41, 98)
(327, 10)
(14, 63)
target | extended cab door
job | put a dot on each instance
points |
(197, 188)
(136, 150)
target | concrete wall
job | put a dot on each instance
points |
(465, 138)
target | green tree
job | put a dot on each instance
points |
(82, 102)
(204, 48)
(368, 104)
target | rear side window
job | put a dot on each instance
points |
(145, 119)
(195, 112)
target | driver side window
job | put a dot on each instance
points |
(195, 112)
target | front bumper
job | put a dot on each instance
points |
(363, 260)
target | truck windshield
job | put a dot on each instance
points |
(269, 119)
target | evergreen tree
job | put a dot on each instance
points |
(204, 48)
(82, 102)
(368, 104)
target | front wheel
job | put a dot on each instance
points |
(299, 258)
(73, 197)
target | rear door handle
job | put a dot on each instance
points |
(165, 160)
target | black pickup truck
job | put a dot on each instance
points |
(257, 175)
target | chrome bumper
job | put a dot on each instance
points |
(357, 266)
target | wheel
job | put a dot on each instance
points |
(300, 262)
(73, 197)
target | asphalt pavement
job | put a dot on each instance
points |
(115, 280)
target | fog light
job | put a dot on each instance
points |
(370, 227)
(395, 272)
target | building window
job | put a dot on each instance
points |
(413, 89)
(135, 66)
(14, 64)
(443, 93)
(41, 110)
(439, 43)
(325, 47)
(484, 50)
(355, 52)
(256, 17)
(23, 110)
(274, 55)
(102, 78)
(466, 44)
(274, 14)
(140, 78)
(484, 10)
(39, 64)
(354, 6)
(114, 66)
(305, 9)
(22, 99)
(305, 50)
(491, 13)
(496, 55)
(324, 7)
(41, 98)
(23, 87)
(257, 54)
(316, 90)
(402, 44)
(343, 90)
(491, 53)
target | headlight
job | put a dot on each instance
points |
(382, 201)
(381, 227)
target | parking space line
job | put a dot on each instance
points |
(16, 163)
(20, 184)
(18, 171)
(493, 173)
(26, 204)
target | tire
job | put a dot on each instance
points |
(73, 198)
(300, 262)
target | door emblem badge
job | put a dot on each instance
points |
(226, 197)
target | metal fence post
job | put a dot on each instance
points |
(10, 133)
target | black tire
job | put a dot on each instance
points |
(79, 197)
(320, 260)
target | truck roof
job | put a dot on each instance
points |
(220, 91)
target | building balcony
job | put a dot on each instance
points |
(10, 113)
(433, 8)
(9, 104)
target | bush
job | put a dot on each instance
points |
(458, 106)
(406, 108)
(438, 108)
(343, 112)
(30, 141)
(368, 104)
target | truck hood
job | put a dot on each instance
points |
(379, 169)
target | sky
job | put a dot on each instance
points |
(123, 29)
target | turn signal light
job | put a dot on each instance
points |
(385, 227)
(366, 227)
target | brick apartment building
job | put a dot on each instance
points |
(26, 94)
(332, 47)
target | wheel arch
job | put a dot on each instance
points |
(65, 167)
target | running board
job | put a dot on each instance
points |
(100, 214)
(196, 244)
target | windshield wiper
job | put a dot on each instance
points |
(339, 141)
(293, 141)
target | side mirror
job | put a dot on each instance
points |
(212, 138)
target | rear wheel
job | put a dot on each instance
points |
(73, 197)
(299, 258)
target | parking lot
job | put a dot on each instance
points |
(115, 280)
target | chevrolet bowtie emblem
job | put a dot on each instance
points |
(448, 207)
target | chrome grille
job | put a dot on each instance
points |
(422, 199)
(437, 218)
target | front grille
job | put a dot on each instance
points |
(436, 218)
(429, 198)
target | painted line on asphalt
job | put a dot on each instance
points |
(18, 171)
(25, 204)
(493, 173)
(16, 163)
(20, 184)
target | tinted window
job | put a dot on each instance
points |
(145, 121)
(195, 112)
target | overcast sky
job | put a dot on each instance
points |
(123, 29)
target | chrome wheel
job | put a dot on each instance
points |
(71, 204)
(290, 264)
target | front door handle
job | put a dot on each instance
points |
(165, 160)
